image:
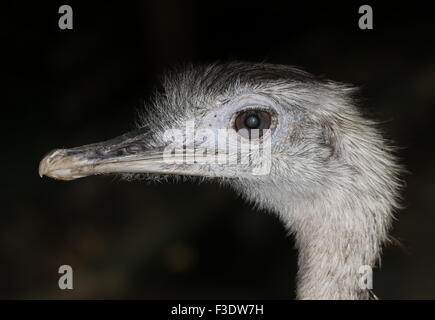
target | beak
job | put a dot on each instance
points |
(125, 154)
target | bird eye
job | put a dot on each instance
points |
(251, 120)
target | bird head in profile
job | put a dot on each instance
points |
(262, 127)
(286, 140)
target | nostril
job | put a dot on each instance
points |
(134, 148)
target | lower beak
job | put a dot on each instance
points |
(125, 154)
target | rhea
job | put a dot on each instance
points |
(327, 172)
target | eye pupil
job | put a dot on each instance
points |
(252, 122)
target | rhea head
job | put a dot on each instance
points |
(313, 159)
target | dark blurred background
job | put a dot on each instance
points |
(65, 88)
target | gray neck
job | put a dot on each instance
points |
(329, 262)
(338, 227)
(335, 240)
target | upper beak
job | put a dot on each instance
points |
(125, 154)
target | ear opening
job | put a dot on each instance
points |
(330, 138)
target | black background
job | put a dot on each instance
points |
(65, 88)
